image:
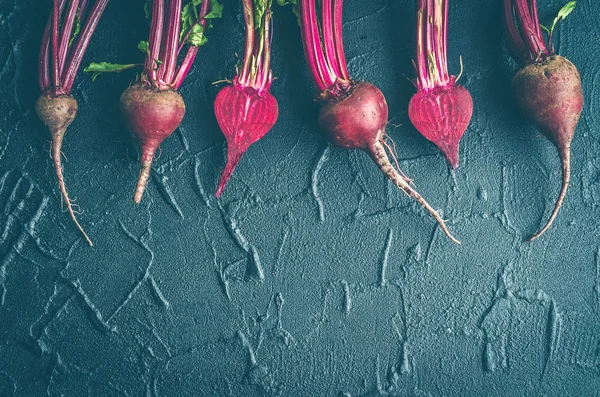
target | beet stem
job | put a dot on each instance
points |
(73, 62)
(66, 33)
(192, 51)
(565, 155)
(155, 39)
(57, 139)
(55, 68)
(381, 159)
(166, 71)
(340, 56)
(43, 70)
(328, 39)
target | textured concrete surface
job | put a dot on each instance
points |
(312, 276)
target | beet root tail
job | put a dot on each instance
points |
(565, 155)
(451, 153)
(233, 159)
(381, 159)
(57, 139)
(146, 167)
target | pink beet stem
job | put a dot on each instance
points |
(328, 39)
(55, 67)
(244, 75)
(264, 73)
(524, 36)
(322, 75)
(432, 44)
(43, 69)
(166, 71)
(76, 56)
(67, 28)
(155, 39)
(192, 51)
(340, 57)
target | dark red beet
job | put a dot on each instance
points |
(151, 115)
(244, 115)
(442, 115)
(57, 113)
(549, 93)
(358, 121)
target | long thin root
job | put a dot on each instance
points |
(72, 208)
(565, 155)
(382, 160)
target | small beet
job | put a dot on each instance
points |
(547, 88)
(152, 116)
(549, 93)
(244, 115)
(246, 110)
(441, 109)
(57, 113)
(61, 51)
(442, 115)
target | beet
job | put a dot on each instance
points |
(152, 116)
(244, 115)
(61, 51)
(441, 109)
(246, 110)
(547, 88)
(442, 115)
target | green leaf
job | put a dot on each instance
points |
(76, 28)
(106, 67)
(144, 47)
(260, 7)
(197, 37)
(562, 14)
(216, 10)
(545, 29)
(189, 21)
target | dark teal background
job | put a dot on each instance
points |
(312, 275)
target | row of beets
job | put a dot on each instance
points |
(353, 114)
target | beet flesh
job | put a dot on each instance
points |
(549, 93)
(57, 113)
(358, 121)
(151, 115)
(245, 115)
(442, 115)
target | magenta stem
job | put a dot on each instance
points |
(74, 61)
(67, 29)
(188, 61)
(155, 39)
(524, 37)
(311, 40)
(340, 57)
(266, 76)
(55, 67)
(166, 71)
(244, 74)
(328, 39)
(432, 44)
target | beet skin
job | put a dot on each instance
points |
(549, 93)
(151, 115)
